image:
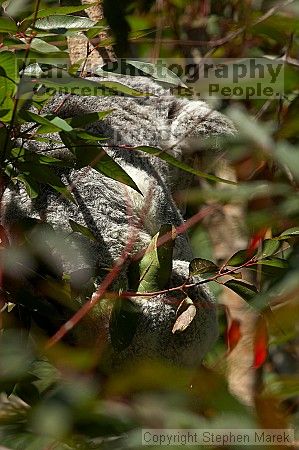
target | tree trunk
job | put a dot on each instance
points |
(90, 54)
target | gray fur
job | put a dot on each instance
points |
(102, 205)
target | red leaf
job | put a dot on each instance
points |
(256, 240)
(233, 334)
(260, 343)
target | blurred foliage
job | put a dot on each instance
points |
(59, 398)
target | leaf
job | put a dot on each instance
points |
(290, 232)
(9, 71)
(199, 266)
(42, 46)
(154, 70)
(287, 155)
(87, 119)
(85, 87)
(123, 323)
(122, 88)
(245, 290)
(46, 374)
(186, 317)
(46, 176)
(269, 247)
(24, 155)
(233, 334)
(181, 165)
(76, 227)
(7, 25)
(60, 123)
(239, 258)
(274, 262)
(260, 346)
(63, 22)
(89, 137)
(153, 272)
(33, 70)
(285, 387)
(31, 186)
(47, 125)
(94, 32)
(55, 124)
(277, 23)
(97, 158)
(61, 11)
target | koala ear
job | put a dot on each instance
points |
(195, 120)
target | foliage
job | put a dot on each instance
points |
(59, 396)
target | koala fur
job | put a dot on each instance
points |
(111, 210)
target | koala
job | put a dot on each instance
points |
(112, 211)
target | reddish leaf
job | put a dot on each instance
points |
(260, 343)
(256, 240)
(233, 334)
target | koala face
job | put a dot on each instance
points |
(158, 120)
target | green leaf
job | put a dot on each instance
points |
(41, 46)
(6, 106)
(89, 137)
(45, 373)
(76, 227)
(47, 125)
(94, 32)
(85, 87)
(245, 290)
(290, 232)
(239, 258)
(288, 156)
(269, 247)
(199, 266)
(115, 86)
(24, 155)
(176, 163)
(60, 123)
(87, 119)
(277, 23)
(154, 70)
(31, 186)
(61, 11)
(97, 158)
(45, 176)
(123, 323)
(274, 262)
(58, 22)
(8, 71)
(7, 25)
(185, 318)
(153, 272)
(285, 387)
